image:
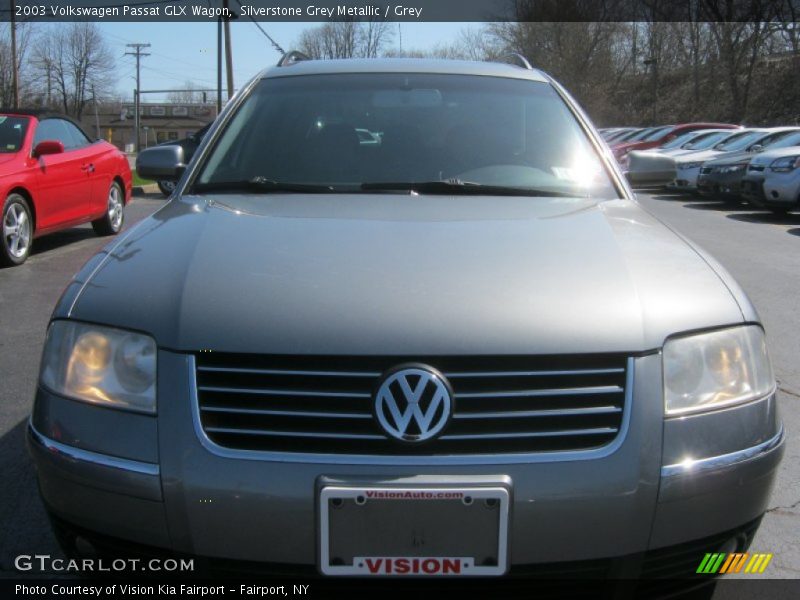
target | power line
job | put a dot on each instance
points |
(275, 44)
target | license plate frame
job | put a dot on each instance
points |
(416, 497)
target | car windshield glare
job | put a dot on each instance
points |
(707, 141)
(656, 134)
(740, 143)
(12, 133)
(791, 138)
(347, 132)
(679, 141)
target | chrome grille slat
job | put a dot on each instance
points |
(286, 413)
(532, 434)
(297, 434)
(532, 373)
(323, 405)
(267, 392)
(538, 393)
(515, 414)
(288, 372)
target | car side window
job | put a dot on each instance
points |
(79, 139)
(52, 129)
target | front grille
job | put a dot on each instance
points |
(324, 404)
(706, 170)
(756, 168)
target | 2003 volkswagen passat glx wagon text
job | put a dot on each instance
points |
(405, 317)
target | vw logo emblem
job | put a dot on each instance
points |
(413, 404)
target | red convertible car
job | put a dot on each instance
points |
(53, 176)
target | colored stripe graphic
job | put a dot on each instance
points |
(711, 563)
(758, 563)
(721, 562)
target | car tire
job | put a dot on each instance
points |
(166, 187)
(111, 222)
(16, 232)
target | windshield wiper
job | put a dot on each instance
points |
(458, 187)
(263, 185)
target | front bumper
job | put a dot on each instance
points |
(194, 500)
(685, 180)
(720, 184)
(778, 190)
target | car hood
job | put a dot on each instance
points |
(731, 158)
(400, 274)
(768, 156)
(701, 156)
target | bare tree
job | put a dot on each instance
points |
(189, 94)
(345, 39)
(6, 68)
(75, 61)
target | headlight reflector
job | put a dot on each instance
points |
(101, 365)
(785, 164)
(716, 369)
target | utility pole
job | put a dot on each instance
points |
(96, 116)
(138, 54)
(219, 64)
(228, 56)
(14, 74)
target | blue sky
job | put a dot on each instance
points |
(188, 51)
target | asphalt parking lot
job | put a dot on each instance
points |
(761, 250)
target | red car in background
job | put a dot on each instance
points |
(53, 176)
(661, 135)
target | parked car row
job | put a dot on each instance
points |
(759, 165)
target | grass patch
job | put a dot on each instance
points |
(139, 182)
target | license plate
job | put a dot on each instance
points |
(413, 531)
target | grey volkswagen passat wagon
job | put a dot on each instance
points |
(454, 346)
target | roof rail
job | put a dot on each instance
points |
(515, 59)
(292, 57)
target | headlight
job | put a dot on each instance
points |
(685, 166)
(717, 369)
(101, 365)
(733, 168)
(785, 164)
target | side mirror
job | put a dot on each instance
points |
(756, 148)
(48, 147)
(161, 163)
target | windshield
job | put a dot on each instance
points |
(349, 132)
(657, 133)
(707, 140)
(680, 140)
(787, 141)
(627, 136)
(12, 133)
(640, 135)
(740, 143)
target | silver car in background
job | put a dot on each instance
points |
(656, 167)
(773, 180)
(460, 348)
(687, 168)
